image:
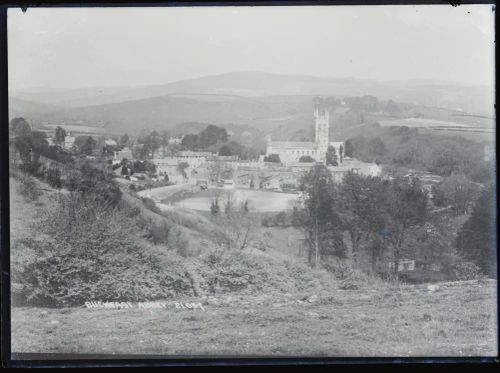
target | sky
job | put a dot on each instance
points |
(88, 47)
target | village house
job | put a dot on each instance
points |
(301, 166)
(167, 165)
(69, 141)
(355, 166)
(194, 159)
(119, 155)
(175, 140)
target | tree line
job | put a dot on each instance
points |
(380, 218)
(405, 147)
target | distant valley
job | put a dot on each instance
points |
(270, 103)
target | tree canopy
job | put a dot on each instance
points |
(477, 239)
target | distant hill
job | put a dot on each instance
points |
(280, 105)
(19, 107)
(169, 111)
(472, 99)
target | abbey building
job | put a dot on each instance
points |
(292, 151)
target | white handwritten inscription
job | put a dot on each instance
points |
(143, 305)
(192, 306)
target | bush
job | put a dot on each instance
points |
(281, 219)
(357, 279)
(178, 241)
(54, 177)
(28, 188)
(464, 271)
(159, 233)
(150, 205)
(94, 182)
(245, 272)
(92, 255)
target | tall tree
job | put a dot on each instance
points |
(408, 208)
(153, 142)
(20, 127)
(165, 137)
(349, 148)
(322, 224)
(60, 136)
(456, 191)
(124, 140)
(477, 239)
(190, 142)
(89, 146)
(376, 149)
(225, 150)
(212, 135)
(361, 205)
(39, 141)
(331, 157)
(181, 168)
(214, 206)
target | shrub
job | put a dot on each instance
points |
(464, 271)
(94, 182)
(54, 177)
(92, 255)
(158, 232)
(178, 241)
(281, 219)
(28, 188)
(230, 271)
(150, 205)
(359, 280)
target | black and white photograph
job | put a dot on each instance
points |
(292, 181)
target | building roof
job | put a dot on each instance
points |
(228, 158)
(189, 153)
(353, 164)
(336, 143)
(301, 164)
(291, 144)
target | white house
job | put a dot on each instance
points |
(69, 141)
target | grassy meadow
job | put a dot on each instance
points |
(455, 320)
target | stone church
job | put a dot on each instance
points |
(291, 151)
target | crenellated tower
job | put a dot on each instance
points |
(322, 130)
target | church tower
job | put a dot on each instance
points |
(322, 130)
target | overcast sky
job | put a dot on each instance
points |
(85, 47)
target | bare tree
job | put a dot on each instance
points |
(236, 224)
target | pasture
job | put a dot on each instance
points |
(259, 201)
(458, 319)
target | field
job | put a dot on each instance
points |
(458, 319)
(482, 130)
(257, 200)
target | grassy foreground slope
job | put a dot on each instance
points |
(456, 320)
(286, 309)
